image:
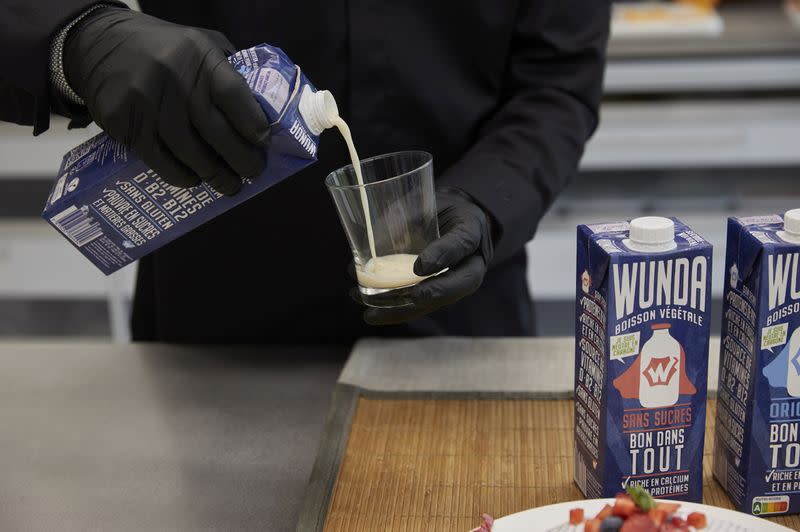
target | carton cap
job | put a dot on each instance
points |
(318, 109)
(791, 222)
(649, 231)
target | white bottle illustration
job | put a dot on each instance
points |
(791, 234)
(793, 373)
(660, 358)
(659, 369)
(733, 278)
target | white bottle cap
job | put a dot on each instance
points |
(791, 227)
(651, 233)
(791, 222)
(318, 109)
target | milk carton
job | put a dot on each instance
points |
(114, 209)
(757, 447)
(641, 357)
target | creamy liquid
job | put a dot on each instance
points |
(389, 271)
(341, 125)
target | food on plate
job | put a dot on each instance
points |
(624, 506)
(612, 522)
(486, 525)
(637, 511)
(576, 516)
(697, 520)
(637, 523)
(605, 512)
(633, 511)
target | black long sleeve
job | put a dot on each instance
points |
(503, 94)
(26, 30)
(529, 149)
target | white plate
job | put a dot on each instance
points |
(555, 518)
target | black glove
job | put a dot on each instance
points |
(465, 247)
(167, 92)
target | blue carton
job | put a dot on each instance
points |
(114, 209)
(757, 449)
(641, 358)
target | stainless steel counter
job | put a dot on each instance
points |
(101, 437)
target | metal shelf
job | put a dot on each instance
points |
(726, 74)
(25, 156)
(36, 262)
(681, 134)
(757, 28)
(759, 49)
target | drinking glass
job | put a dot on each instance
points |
(401, 202)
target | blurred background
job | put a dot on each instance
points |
(701, 120)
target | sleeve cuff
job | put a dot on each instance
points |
(58, 79)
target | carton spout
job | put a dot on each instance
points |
(318, 109)
(651, 234)
(791, 226)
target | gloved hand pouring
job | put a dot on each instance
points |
(169, 93)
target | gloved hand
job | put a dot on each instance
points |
(465, 247)
(167, 92)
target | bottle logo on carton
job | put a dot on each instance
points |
(784, 370)
(660, 371)
(657, 378)
(659, 381)
(783, 285)
(586, 282)
(734, 276)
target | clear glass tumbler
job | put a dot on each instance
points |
(401, 203)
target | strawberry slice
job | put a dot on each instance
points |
(605, 512)
(697, 520)
(623, 506)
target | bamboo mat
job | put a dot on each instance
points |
(437, 464)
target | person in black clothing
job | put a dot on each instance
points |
(503, 94)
